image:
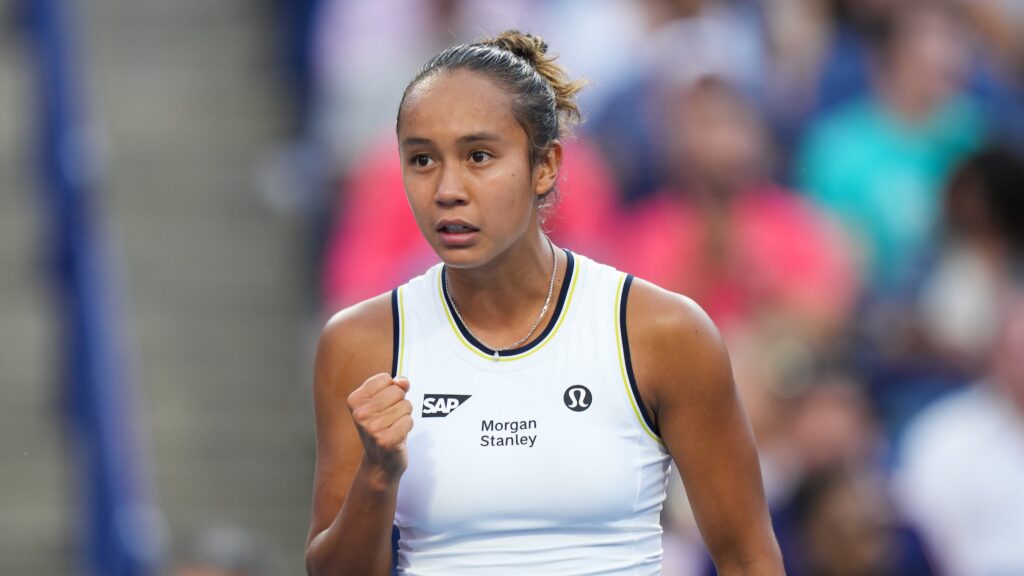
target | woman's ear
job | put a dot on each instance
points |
(546, 171)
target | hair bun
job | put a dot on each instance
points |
(533, 50)
(527, 46)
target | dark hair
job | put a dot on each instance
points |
(543, 96)
(995, 177)
(812, 490)
(884, 32)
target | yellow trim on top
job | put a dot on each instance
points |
(401, 331)
(622, 364)
(541, 344)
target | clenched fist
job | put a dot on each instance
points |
(383, 417)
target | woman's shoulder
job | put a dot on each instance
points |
(373, 319)
(665, 316)
(363, 316)
(358, 338)
(677, 351)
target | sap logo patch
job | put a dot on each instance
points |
(441, 405)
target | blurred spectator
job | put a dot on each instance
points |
(725, 235)
(817, 422)
(1000, 24)
(819, 61)
(962, 472)
(819, 55)
(845, 74)
(797, 35)
(983, 212)
(998, 68)
(842, 524)
(832, 424)
(833, 515)
(878, 163)
(688, 39)
(938, 334)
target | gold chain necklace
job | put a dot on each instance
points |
(543, 311)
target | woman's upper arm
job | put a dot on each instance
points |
(355, 344)
(684, 374)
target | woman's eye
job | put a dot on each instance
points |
(420, 160)
(479, 156)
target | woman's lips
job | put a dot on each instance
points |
(457, 234)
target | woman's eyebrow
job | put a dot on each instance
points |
(416, 141)
(473, 138)
(479, 137)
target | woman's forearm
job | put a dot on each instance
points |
(765, 565)
(358, 542)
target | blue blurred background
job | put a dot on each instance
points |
(190, 189)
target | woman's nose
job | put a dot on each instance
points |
(451, 187)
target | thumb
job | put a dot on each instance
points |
(402, 382)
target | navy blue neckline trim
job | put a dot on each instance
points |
(396, 326)
(629, 362)
(559, 305)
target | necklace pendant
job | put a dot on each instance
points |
(495, 355)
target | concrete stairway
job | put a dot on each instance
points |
(214, 282)
(34, 484)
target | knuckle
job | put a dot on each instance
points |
(404, 424)
(372, 427)
(360, 414)
(398, 437)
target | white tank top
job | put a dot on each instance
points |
(540, 462)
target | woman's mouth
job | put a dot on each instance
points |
(457, 234)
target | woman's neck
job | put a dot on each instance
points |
(503, 298)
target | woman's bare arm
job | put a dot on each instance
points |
(362, 419)
(685, 378)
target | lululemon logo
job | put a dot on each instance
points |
(577, 398)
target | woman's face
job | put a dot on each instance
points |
(466, 168)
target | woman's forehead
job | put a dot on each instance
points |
(455, 103)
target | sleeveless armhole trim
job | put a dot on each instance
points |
(397, 347)
(397, 332)
(396, 536)
(626, 362)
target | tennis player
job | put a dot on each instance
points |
(516, 409)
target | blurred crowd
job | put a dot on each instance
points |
(838, 183)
